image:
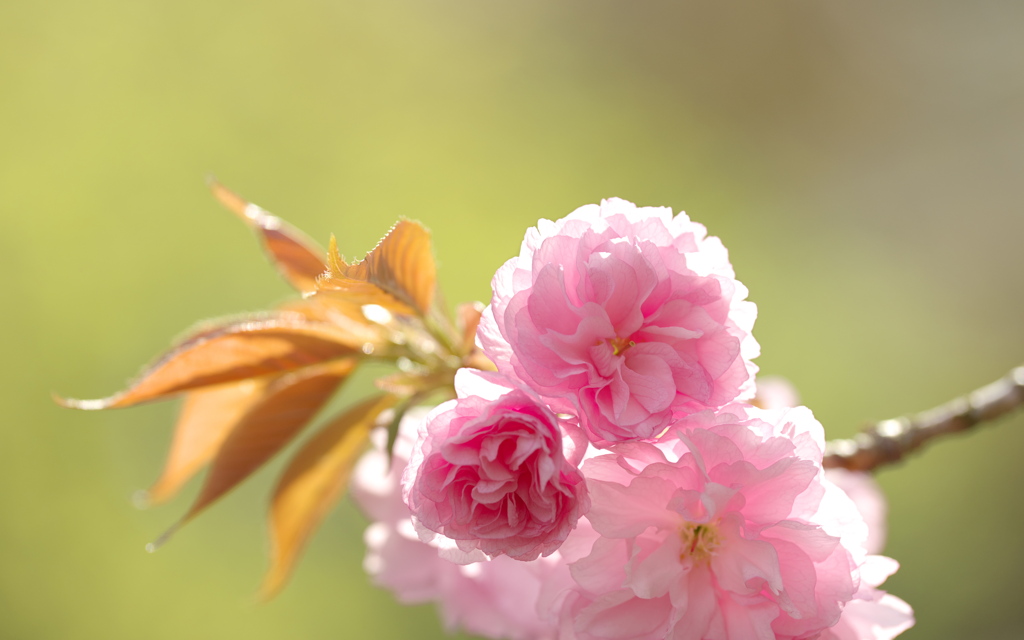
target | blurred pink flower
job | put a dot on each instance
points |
(872, 614)
(625, 316)
(729, 532)
(488, 471)
(538, 600)
(867, 495)
(494, 599)
(775, 392)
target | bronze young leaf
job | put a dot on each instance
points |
(251, 384)
(288, 404)
(398, 274)
(206, 419)
(313, 482)
(230, 352)
(298, 258)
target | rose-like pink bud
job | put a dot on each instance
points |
(488, 471)
(495, 598)
(625, 315)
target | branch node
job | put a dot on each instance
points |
(890, 440)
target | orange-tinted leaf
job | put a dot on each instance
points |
(207, 417)
(298, 258)
(231, 352)
(468, 315)
(313, 482)
(347, 317)
(398, 274)
(400, 383)
(341, 287)
(409, 384)
(468, 321)
(288, 405)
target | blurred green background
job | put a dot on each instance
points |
(861, 161)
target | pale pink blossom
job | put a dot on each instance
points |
(494, 598)
(775, 392)
(624, 315)
(727, 531)
(862, 488)
(489, 472)
(872, 614)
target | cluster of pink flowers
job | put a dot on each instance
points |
(610, 481)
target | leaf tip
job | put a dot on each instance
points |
(164, 538)
(233, 202)
(84, 405)
(141, 499)
(269, 589)
(334, 260)
(160, 492)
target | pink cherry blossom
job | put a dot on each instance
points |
(867, 496)
(872, 614)
(727, 531)
(494, 598)
(625, 315)
(489, 472)
(775, 392)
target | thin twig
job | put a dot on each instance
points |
(889, 440)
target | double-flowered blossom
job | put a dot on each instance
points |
(725, 531)
(593, 585)
(494, 598)
(608, 482)
(872, 614)
(625, 316)
(489, 471)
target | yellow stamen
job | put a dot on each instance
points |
(621, 344)
(699, 542)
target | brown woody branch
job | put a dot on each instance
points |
(889, 440)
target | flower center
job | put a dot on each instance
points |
(699, 542)
(620, 344)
